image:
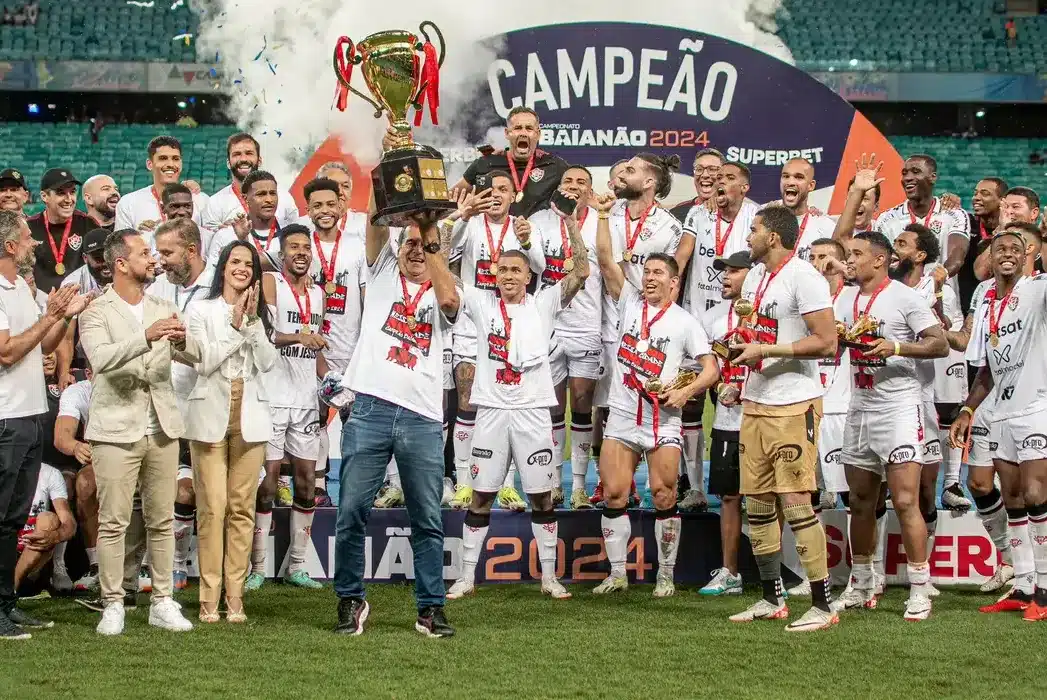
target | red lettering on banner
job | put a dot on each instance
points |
(534, 565)
(514, 555)
(893, 555)
(939, 558)
(835, 546)
(579, 561)
(973, 552)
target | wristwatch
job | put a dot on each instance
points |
(433, 247)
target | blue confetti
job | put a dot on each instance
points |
(279, 134)
(214, 73)
(216, 60)
(271, 66)
(264, 44)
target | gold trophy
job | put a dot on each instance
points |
(684, 377)
(851, 337)
(410, 177)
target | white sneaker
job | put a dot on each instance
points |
(1003, 574)
(448, 493)
(460, 589)
(166, 614)
(664, 586)
(612, 584)
(813, 620)
(801, 590)
(762, 610)
(918, 607)
(112, 622)
(61, 582)
(854, 598)
(723, 583)
(552, 587)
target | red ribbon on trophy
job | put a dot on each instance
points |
(345, 70)
(430, 81)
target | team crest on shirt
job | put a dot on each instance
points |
(75, 241)
(1012, 303)
(537, 174)
(936, 226)
(485, 270)
(420, 338)
(554, 270)
(53, 390)
(766, 325)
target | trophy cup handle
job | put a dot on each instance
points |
(422, 29)
(345, 57)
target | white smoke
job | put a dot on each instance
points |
(275, 57)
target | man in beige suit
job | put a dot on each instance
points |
(131, 339)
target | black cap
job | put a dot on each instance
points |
(57, 177)
(738, 261)
(94, 241)
(12, 175)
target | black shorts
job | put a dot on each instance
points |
(724, 475)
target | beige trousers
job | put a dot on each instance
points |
(151, 464)
(225, 478)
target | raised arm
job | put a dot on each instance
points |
(613, 275)
(443, 281)
(575, 278)
(377, 237)
(866, 178)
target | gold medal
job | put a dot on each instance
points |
(519, 196)
(306, 330)
(568, 264)
(627, 256)
(744, 308)
(994, 339)
(643, 346)
(412, 322)
(59, 268)
(329, 287)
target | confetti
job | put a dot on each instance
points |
(264, 44)
(279, 134)
(213, 73)
(176, 4)
(271, 66)
(182, 37)
(137, 3)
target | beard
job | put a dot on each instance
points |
(26, 263)
(901, 270)
(236, 169)
(179, 274)
(100, 274)
(629, 192)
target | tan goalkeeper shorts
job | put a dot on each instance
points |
(779, 448)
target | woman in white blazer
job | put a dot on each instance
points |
(228, 424)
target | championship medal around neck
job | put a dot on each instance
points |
(643, 345)
(568, 264)
(330, 287)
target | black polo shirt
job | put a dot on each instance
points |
(681, 210)
(44, 270)
(965, 277)
(541, 183)
(51, 455)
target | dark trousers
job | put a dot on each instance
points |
(20, 452)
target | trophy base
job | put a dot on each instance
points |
(724, 351)
(863, 347)
(409, 180)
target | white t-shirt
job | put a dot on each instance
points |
(976, 346)
(50, 486)
(581, 319)
(672, 341)
(836, 376)
(268, 246)
(141, 205)
(183, 377)
(798, 289)
(500, 382)
(393, 361)
(944, 222)
(22, 389)
(76, 402)
(83, 277)
(224, 205)
(1018, 362)
(704, 282)
(811, 229)
(292, 382)
(884, 384)
(344, 305)
(717, 322)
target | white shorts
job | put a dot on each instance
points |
(641, 438)
(524, 435)
(932, 443)
(831, 474)
(1022, 438)
(575, 357)
(448, 366)
(605, 374)
(873, 440)
(463, 348)
(981, 450)
(296, 432)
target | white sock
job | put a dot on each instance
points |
(667, 535)
(263, 522)
(183, 536)
(463, 437)
(559, 440)
(92, 556)
(59, 558)
(392, 474)
(510, 478)
(301, 527)
(545, 534)
(1038, 539)
(919, 575)
(472, 544)
(863, 575)
(321, 459)
(581, 442)
(616, 534)
(952, 458)
(1021, 551)
(693, 464)
(881, 545)
(994, 520)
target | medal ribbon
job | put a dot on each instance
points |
(327, 268)
(58, 250)
(645, 327)
(994, 318)
(721, 244)
(761, 289)
(872, 299)
(159, 203)
(926, 219)
(521, 182)
(641, 390)
(630, 237)
(268, 241)
(411, 303)
(496, 252)
(507, 323)
(304, 312)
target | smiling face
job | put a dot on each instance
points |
(986, 199)
(1008, 256)
(634, 178)
(102, 195)
(577, 182)
(796, 183)
(324, 209)
(239, 269)
(658, 281)
(12, 196)
(243, 159)
(139, 265)
(864, 261)
(731, 186)
(512, 276)
(1015, 207)
(503, 195)
(21, 249)
(522, 132)
(60, 201)
(179, 206)
(706, 172)
(411, 255)
(166, 165)
(918, 179)
(174, 256)
(297, 251)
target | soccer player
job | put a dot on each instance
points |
(243, 157)
(259, 225)
(787, 307)
(50, 524)
(143, 210)
(297, 308)
(894, 328)
(707, 164)
(657, 339)
(1006, 335)
(575, 363)
(863, 200)
(483, 230)
(514, 391)
(796, 184)
(724, 453)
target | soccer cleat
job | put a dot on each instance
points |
(918, 607)
(664, 586)
(61, 582)
(112, 622)
(447, 493)
(27, 621)
(723, 583)
(693, 501)
(881, 584)
(322, 500)
(88, 582)
(558, 497)
(300, 579)
(391, 497)
(552, 587)
(852, 598)
(283, 496)
(42, 595)
(953, 498)
(1035, 612)
(9, 631)
(1012, 601)
(352, 614)
(827, 500)
(580, 500)
(254, 581)
(433, 623)
(145, 581)
(1003, 574)
(813, 620)
(762, 610)
(167, 615)
(611, 584)
(800, 590)
(510, 499)
(463, 496)
(597, 498)
(460, 588)
(180, 580)
(932, 592)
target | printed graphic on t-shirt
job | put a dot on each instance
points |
(645, 364)
(865, 365)
(498, 349)
(766, 326)
(419, 338)
(554, 268)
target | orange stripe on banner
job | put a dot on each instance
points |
(866, 138)
(330, 150)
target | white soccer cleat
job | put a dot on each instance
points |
(112, 622)
(693, 500)
(932, 592)
(166, 614)
(918, 607)
(723, 583)
(86, 583)
(1001, 577)
(448, 492)
(392, 497)
(881, 584)
(558, 496)
(852, 598)
(460, 589)
(553, 588)
(61, 582)
(611, 584)
(813, 620)
(953, 498)
(664, 586)
(801, 590)
(762, 610)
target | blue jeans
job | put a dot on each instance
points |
(377, 430)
